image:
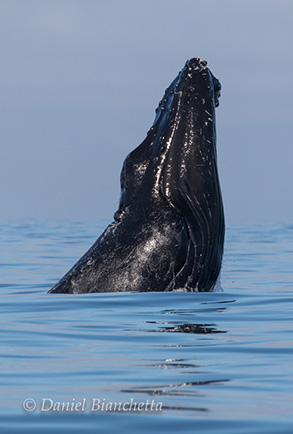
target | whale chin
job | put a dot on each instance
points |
(168, 231)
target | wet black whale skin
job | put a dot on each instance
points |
(168, 232)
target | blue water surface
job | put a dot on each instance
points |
(217, 362)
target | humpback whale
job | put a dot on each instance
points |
(168, 232)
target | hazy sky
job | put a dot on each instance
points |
(80, 81)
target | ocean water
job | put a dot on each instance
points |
(219, 362)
